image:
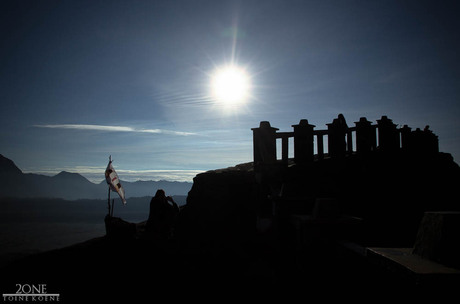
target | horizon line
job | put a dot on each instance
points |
(96, 174)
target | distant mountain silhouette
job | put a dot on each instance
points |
(7, 166)
(72, 186)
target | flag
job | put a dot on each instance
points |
(111, 177)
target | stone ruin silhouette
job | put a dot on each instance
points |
(343, 191)
(374, 184)
(342, 140)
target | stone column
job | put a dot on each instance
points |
(388, 135)
(406, 138)
(365, 136)
(264, 141)
(320, 145)
(303, 142)
(336, 139)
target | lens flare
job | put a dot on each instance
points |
(230, 85)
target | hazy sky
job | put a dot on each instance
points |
(82, 80)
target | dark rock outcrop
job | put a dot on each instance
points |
(390, 192)
(220, 209)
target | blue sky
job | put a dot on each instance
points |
(82, 80)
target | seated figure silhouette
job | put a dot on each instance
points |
(163, 212)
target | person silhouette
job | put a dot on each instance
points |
(338, 142)
(342, 122)
(162, 216)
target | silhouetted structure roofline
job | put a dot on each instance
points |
(342, 140)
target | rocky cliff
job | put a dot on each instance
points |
(221, 208)
(390, 192)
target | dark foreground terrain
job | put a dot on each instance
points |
(140, 269)
(222, 252)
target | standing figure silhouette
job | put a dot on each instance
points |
(162, 216)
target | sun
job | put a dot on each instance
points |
(230, 85)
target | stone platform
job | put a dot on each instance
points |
(434, 259)
(413, 268)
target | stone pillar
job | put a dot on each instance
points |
(264, 141)
(406, 138)
(320, 145)
(337, 145)
(349, 142)
(388, 135)
(285, 150)
(416, 141)
(303, 142)
(365, 136)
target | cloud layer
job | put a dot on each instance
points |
(105, 128)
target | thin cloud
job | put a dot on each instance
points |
(113, 129)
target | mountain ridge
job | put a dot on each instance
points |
(7, 165)
(73, 186)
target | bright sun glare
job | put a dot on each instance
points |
(230, 85)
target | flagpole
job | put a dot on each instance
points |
(108, 198)
(108, 201)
